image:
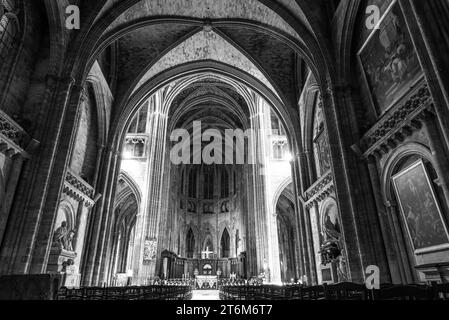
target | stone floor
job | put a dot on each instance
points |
(205, 295)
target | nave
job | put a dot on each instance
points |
(271, 149)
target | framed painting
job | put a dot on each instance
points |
(420, 209)
(388, 61)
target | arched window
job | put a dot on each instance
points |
(208, 182)
(276, 125)
(224, 183)
(237, 240)
(320, 141)
(190, 244)
(139, 123)
(8, 30)
(192, 183)
(280, 149)
(225, 244)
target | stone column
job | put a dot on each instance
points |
(397, 234)
(429, 30)
(310, 248)
(303, 254)
(27, 246)
(439, 153)
(5, 207)
(394, 272)
(360, 225)
(157, 169)
(100, 219)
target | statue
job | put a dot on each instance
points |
(332, 250)
(60, 235)
(69, 240)
(63, 237)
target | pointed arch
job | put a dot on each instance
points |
(286, 188)
(132, 185)
(225, 244)
(190, 241)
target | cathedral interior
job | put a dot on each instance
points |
(274, 142)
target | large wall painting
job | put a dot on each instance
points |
(389, 62)
(420, 209)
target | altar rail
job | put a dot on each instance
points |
(168, 292)
(340, 291)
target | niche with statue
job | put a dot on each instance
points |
(62, 255)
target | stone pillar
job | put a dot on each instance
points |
(156, 199)
(100, 219)
(310, 248)
(360, 224)
(439, 153)
(427, 24)
(26, 247)
(394, 272)
(5, 207)
(302, 254)
(393, 216)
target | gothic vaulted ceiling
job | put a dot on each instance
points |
(266, 38)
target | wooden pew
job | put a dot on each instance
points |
(403, 292)
(440, 291)
(346, 291)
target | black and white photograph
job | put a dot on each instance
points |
(180, 154)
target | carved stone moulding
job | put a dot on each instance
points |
(398, 123)
(320, 191)
(13, 139)
(78, 189)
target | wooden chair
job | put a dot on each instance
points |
(94, 293)
(293, 292)
(114, 293)
(403, 292)
(148, 293)
(312, 293)
(346, 291)
(132, 293)
(62, 293)
(440, 291)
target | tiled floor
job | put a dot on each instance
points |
(205, 295)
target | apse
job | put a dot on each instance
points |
(206, 215)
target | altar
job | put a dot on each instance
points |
(206, 282)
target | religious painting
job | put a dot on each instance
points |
(320, 141)
(420, 209)
(389, 62)
(331, 224)
(149, 250)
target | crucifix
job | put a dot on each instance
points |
(206, 253)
